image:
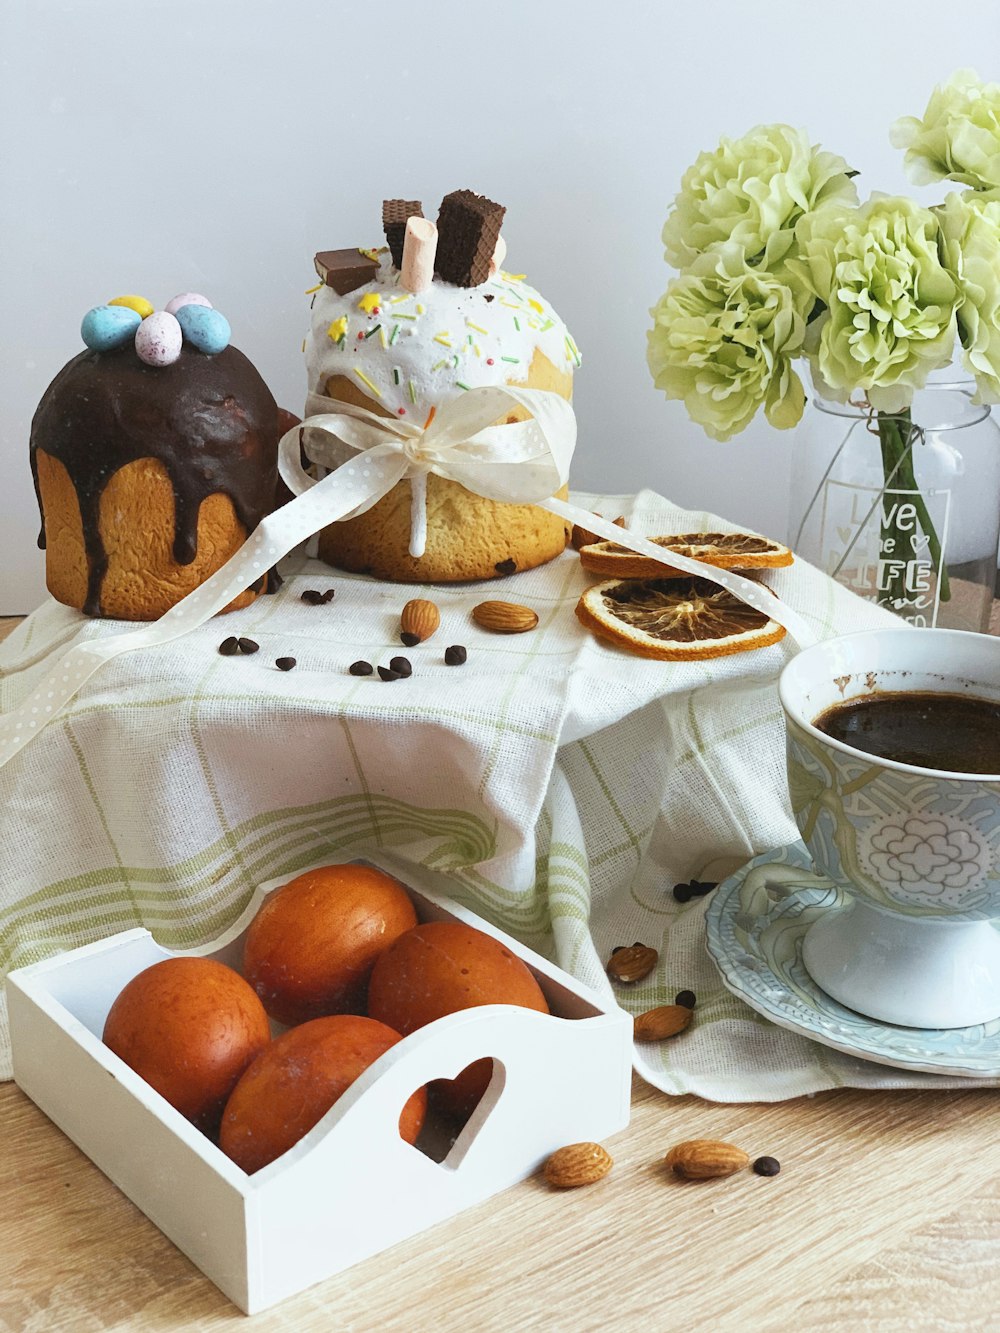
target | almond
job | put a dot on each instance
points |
(418, 621)
(577, 1164)
(666, 1020)
(504, 617)
(704, 1159)
(633, 963)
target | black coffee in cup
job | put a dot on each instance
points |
(956, 733)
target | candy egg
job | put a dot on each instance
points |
(186, 298)
(204, 328)
(109, 326)
(158, 339)
(139, 304)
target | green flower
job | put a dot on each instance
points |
(970, 248)
(890, 319)
(959, 136)
(753, 191)
(723, 338)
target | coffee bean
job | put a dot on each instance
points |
(229, 646)
(248, 646)
(388, 674)
(697, 888)
(409, 640)
(401, 666)
(361, 668)
(284, 663)
(686, 999)
(766, 1166)
(312, 597)
(456, 655)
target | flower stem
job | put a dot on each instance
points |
(897, 436)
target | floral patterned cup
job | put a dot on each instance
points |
(915, 851)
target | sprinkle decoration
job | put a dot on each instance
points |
(365, 380)
(480, 331)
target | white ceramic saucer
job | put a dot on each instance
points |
(755, 924)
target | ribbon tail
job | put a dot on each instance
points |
(753, 594)
(360, 482)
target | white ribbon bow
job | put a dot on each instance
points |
(522, 462)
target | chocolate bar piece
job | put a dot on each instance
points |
(468, 227)
(345, 270)
(394, 215)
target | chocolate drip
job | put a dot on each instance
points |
(209, 420)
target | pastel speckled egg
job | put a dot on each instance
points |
(186, 298)
(204, 328)
(139, 304)
(108, 326)
(158, 339)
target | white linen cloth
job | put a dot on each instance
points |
(557, 785)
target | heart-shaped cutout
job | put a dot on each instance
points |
(452, 1108)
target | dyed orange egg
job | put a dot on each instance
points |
(438, 968)
(292, 1085)
(189, 1027)
(311, 947)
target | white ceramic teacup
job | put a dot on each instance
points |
(916, 851)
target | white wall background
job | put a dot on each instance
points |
(215, 145)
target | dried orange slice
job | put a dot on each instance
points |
(724, 550)
(675, 619)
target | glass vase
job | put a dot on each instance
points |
(904, 509)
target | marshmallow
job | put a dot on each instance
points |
(419, 249)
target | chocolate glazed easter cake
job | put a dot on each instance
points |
(154, 455)
(404, 329)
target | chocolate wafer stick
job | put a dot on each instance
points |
(394, 215)
(468, 230)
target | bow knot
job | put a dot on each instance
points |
(465, 439)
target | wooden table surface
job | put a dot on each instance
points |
(885, 1216)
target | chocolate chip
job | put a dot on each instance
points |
(506, 567)
(401, 666)
(456, 655)
(766, 1166)
(229, 646)
(361, 668)
(686, 999)
(328, 595)
(388, 674)
(488, 296)
(312, 597)
(409, 640)
(284, 663)
(248, 646)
